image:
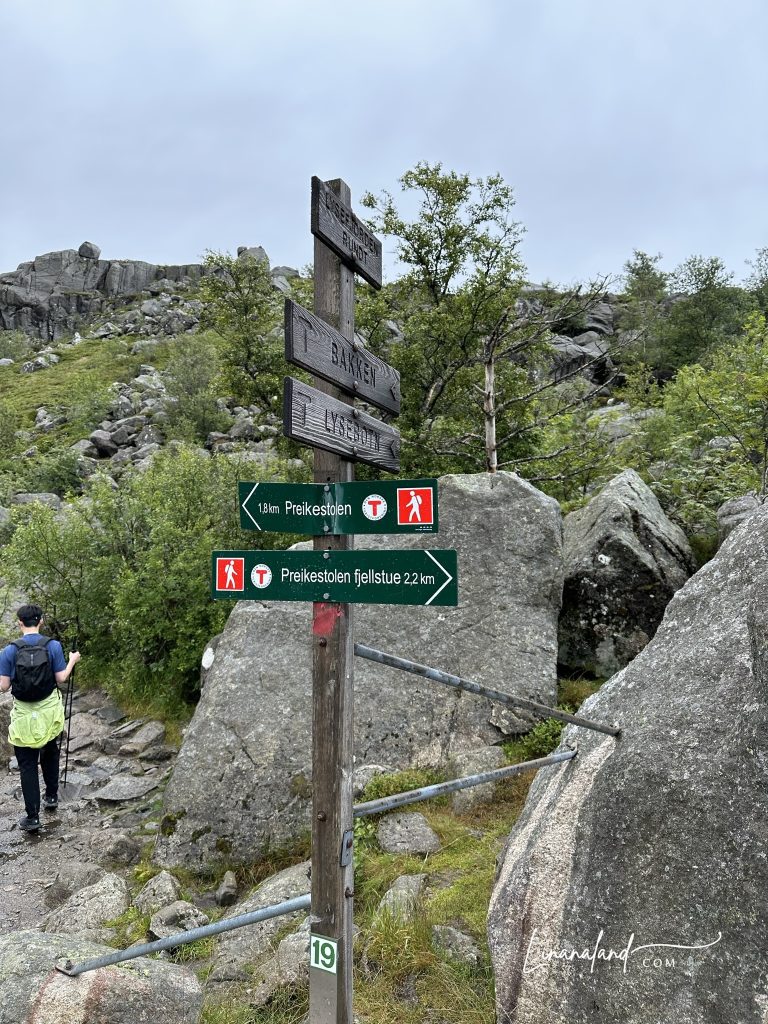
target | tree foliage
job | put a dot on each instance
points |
(710, 442)
(128, 571)
(681, 317)
(474, 367)
(243, 308)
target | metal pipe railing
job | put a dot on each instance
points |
(388, 803)
(371, 654)
(182, 938)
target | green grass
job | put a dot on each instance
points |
(288, 1007)
(545, 735)
(83, 371)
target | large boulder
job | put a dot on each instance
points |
(89, 908)
(143, 990)
(624, 560)
(657, 837)
(243, 775)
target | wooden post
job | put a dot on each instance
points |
(330, 994)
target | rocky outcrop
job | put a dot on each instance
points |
(243, 775)
(733, 512)
(89, 908)
(624, 560)
(51, 295)
(657, 837)
(144, 990)
(589, 352)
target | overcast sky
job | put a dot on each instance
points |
(161, 129)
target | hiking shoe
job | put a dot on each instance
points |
(29, 824)
(51, 803)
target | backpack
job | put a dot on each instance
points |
(34, 678)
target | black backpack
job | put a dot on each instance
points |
(34, 679)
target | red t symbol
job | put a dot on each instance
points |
(261, 573)
(374, 503)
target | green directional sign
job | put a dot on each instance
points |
(384, 506)
(341, 577)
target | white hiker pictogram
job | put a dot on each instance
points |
(230, 581)
(415, 507)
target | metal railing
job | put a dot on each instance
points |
(388, 803)
(182, 938)
(371, 654)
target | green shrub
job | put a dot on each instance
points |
(128, 571)
(539, 742)
(190, 373)
(14, 345)
(53, 472)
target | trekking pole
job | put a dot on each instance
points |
(68, 699)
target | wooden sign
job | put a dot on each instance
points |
(316, 346)
(318, 420)
(334, 223)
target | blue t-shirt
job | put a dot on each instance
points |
(8, 656)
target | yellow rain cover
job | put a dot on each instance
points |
(35, 723)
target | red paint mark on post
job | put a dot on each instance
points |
(324, 618)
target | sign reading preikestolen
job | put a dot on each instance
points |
(415, 576)
(383, 506)
(334, 223)
(317, 419)
(316, 346)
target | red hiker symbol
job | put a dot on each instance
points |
(414, 505)
(230, 573)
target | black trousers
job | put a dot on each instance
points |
(48, 757)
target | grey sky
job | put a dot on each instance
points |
(161, 129)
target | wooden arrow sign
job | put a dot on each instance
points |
(334, 223)
(318, 420)
(314, 345)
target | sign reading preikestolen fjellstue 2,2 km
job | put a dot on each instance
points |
(383, 506)
(415, 576)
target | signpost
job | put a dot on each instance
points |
(334, 576)
(333, 882)
(316, 418)
(314, 345)
(417, 576)
(384, 506)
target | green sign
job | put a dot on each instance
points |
(323, 953)
(384, 506)
(341, 577)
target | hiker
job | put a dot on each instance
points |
(32, 668)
